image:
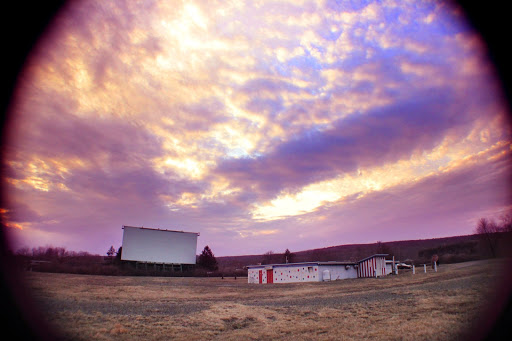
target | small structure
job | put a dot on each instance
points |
(373, 266)
(389, 266)
(316, 271)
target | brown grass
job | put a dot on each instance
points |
(432, 306)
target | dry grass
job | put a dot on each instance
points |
(406, 307)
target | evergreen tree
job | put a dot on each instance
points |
(288, 256)
(118, 255)
(207, 259)
(111, 251)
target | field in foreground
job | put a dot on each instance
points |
(431, 306)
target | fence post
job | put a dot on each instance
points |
(435, 266)
(413, 270)
(425, 268)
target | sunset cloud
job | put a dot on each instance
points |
(248, 122)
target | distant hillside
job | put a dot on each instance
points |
(449, 250)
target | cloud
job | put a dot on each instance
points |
(194, 115)
(440, 205)
(370, 139)
(20, 213)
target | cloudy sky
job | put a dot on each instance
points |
(263, 126)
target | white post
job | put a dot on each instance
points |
(393, 270)
(413, 270)
(425, 268)
(435, 266)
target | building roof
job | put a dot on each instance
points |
(302, 264)
(376, 255)
(155, 229)
(318, 262)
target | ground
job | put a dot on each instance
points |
(431, 306)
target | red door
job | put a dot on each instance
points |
(270, 276)
(261, 276)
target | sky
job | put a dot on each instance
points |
(262, 125)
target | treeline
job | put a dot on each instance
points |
(451, 253)
(491, 239)
(459, 248)
(59, 260)
(51, 253)
(496, 235)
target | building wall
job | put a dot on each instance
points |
(389, 268)
(339, 271)
(285, 274)
(297, 273)
(253, 275)
(374, 266)
(300, 273)
(314, 272)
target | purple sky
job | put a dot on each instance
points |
(263, 126)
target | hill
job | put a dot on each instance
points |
(449, 249)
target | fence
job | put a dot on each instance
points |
(424, 268)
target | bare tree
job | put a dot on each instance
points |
(488, 229)
(111, 251)
(288, 256)
(383, 248)
(360, 253)
(61, 252)
(24, 251)
(267, 257)
(506, 223)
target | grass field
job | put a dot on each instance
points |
(431, 306)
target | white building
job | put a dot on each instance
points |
(390, 265)
(157, 246)
(301, 272)
(315, 271)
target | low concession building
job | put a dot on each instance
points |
(316, 271)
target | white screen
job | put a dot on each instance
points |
(158, 246)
